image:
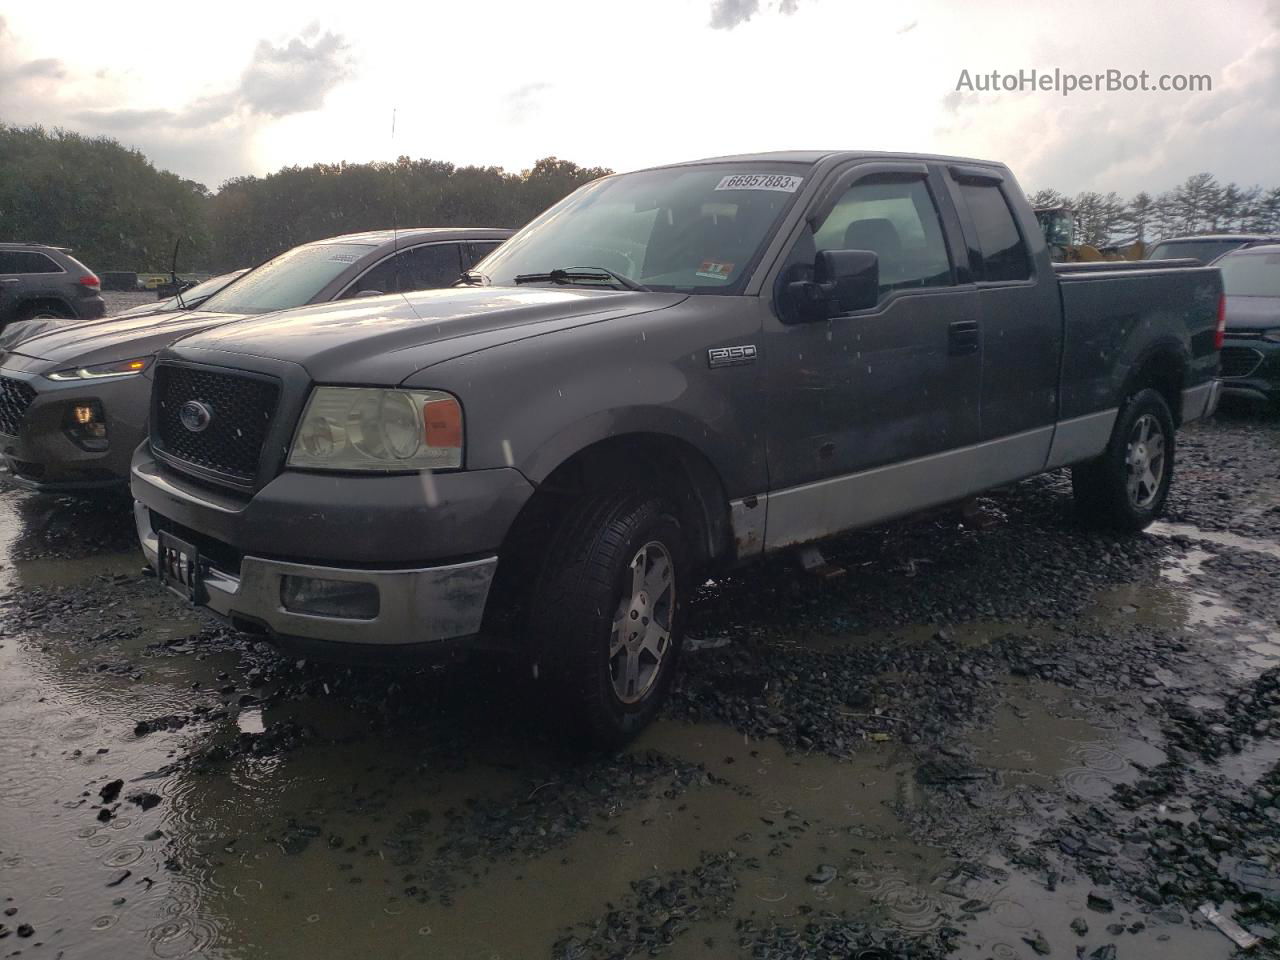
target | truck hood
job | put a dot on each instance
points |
(386, 339)
(1252, 313)
(113, 338)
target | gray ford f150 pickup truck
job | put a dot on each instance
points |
(669, 370)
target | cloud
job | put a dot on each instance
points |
(727, 14)
(204, 137)
(125, 118)
(294, 77)
(524, 101)
(956, 99)
(50, 67)
(1132, 141)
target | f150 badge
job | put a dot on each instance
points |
(731, 356)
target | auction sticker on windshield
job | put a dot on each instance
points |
(761, 181)
(714, 270)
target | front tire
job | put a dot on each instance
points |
(1126, 487)
(608, 613)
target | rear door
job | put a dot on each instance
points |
(895, 382)
(1018, 308)
(26, 275)
(427, 266)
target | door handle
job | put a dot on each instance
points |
(963, 338)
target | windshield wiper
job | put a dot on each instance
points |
(574, 274)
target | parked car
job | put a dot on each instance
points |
(669, 371)
(1251, 350)
(41, 282)
(73, 400)
(1207, 248)
(188, 299)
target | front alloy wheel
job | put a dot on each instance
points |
(641, 633)
(606, 613)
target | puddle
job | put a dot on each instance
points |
(1020, 908)
(1251, 544)
(1041, 738)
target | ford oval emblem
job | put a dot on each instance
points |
(195, 416)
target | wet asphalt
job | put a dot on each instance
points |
(997, 734)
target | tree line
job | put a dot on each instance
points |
(118, 212)
(1200, 204)
(112, 206)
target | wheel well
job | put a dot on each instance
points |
(650, 462)
(1164, 371)
(38, 303)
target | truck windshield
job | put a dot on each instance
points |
(1251, 274)
(289, 280)
(696, 229)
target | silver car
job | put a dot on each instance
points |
(74, 399)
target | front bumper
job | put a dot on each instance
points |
(416, 606)
(42, 457)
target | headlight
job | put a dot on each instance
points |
(117, 368)
(360, 428)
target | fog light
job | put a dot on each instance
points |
(86, 426)
(329, 598)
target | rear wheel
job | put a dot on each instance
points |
(608, 613)
(46, 312)
(1126, 487)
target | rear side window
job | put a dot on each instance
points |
(1004, 254)
(1203, 250)
(897, 221)
(25, 261)
(419, 268)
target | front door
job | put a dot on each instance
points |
(877, 387)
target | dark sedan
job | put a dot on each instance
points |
(74, 400)
(1251, 350)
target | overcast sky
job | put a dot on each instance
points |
(213, 91)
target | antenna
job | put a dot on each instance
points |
(395, 175)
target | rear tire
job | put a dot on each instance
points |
(608, 613)
(46, 312)
(1126, 487)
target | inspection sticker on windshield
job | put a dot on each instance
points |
(782, 182)
(714, 270)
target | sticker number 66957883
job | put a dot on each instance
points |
(761, 181)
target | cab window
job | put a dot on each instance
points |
(896, 220)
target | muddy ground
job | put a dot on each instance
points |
(997, 735)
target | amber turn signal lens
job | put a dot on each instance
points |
(442, 422)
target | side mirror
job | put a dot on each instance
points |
(843, 281)
(365, 293)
